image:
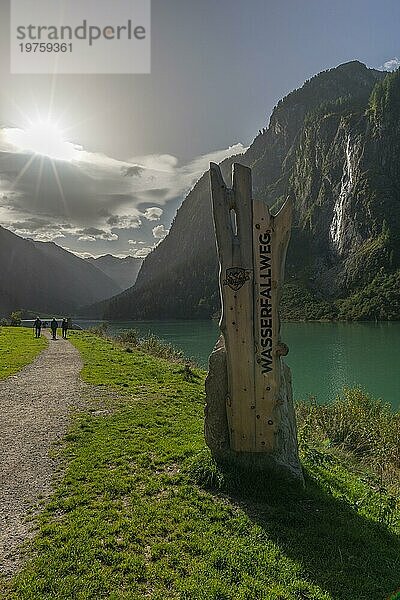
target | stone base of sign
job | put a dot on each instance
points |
(283, 460)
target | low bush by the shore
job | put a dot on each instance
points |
(150, 344)
(360, 426)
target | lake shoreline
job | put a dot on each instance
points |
(324, 357)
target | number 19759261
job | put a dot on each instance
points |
(45, 47)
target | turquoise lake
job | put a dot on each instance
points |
(323, 357)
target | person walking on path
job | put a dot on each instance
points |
(64, 327)
(37, 324)
(53, 327)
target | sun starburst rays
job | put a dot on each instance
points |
(45, 140)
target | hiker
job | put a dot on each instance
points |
(53, 327)
(64, 327)
(37, 324)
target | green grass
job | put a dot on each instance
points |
(143, 512)
(17, 349)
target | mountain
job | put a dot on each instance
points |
(333, 145)
(42, 277)
(123, 271)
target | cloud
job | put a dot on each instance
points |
(133, 171)
(160, 232)
(91, 234)
(39, 236)
(142, 252)
(93, 198)
(157, 162)
(46, 236)
(135, 242)
(153, 213)
(155, 193)
(81, 254)
(44, 137)
(202, 163)
(166, 179)
(37, 229)
(391, 65)
(124, 222)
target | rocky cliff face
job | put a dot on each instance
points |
(345, 180)
(333, 145)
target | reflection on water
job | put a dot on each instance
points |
(324, 357)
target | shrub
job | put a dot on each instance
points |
(355, 423)
(15, 318)
(129, 336)
(156, 347)
(100, 330)
(150, 344)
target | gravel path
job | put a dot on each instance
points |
(35, 406)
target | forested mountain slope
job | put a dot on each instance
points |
(333, 145)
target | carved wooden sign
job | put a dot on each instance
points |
(252, 248)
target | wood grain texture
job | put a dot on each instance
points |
(251, 249)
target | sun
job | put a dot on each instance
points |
(44, 137)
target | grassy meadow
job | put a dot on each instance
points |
(142, 511)
(18, 348)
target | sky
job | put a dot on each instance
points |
(133, 145)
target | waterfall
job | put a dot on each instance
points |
(337, 228)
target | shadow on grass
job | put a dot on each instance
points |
(344, 553)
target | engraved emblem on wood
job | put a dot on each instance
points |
(236, 277)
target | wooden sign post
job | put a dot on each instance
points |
(249, 413)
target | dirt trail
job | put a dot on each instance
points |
(34, 413)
